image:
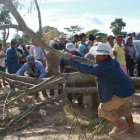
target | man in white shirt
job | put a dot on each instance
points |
(38, 53)
(110, 43)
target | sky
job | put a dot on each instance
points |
(89, 14)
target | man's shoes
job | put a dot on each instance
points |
(116, 132)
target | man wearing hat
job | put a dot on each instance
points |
(98, 39)
(114, 87)
(12, 57)
(61, 44)
(34, 69)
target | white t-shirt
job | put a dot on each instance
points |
(108, 44)
(39, 54)
(2, 60)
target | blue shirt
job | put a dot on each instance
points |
(110, 78)
(81, 48)
(12, 60)
(38, 70)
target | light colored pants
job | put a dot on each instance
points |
(114, 109)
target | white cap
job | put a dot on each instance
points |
(70, 47)
(100, 49)
(62, 36)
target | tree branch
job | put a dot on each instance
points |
(7, 26)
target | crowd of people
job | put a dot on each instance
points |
(115, 60)
(16, 56)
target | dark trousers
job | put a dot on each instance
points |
(130, 66)
(139, 67)
(70, 96)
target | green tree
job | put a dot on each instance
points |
(73, 30)
(117, 25)
(5, 19)
(50, 32)
(46, 29)
(24, 37)
(96, 32)
(93, 32)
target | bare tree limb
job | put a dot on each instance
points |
(7, 26)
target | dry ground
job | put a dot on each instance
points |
(50, 123)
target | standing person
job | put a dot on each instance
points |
(38, 53)
(119, 53)
(91, 40)
(12, 57)
(138, 38)
(33, 69)
(21, 53)
(61, 45)
(110, 43)
(130, 56)
(76, 40)
(2, 63)
(98, 39)
(114, 87)
(134, 36)
(82, 46)
(25, 52)
(21, 45)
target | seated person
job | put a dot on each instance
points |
(34, 69)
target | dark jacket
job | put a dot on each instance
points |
(12, 60)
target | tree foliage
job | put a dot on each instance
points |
(96, 32)
(5, 19)
(24, 37)
(73, 30)
(93, 32)
(117, 25)
(50, 32)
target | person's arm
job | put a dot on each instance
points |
(42, 71)
(61, 65)
(126, 50)
(115, 49)
(3, 56)
(86, 68)
(21, 71)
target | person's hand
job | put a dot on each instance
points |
(14, 74)
(68, 56)
(36, 78)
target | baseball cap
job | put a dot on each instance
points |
(70, 47)
(98, 36)
(31, 59)
(62, 36)
(100, 49)
(13, 41)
